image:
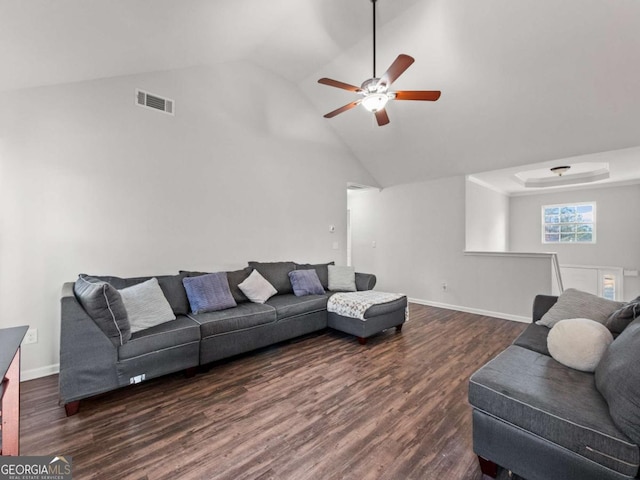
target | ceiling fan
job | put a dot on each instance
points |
(375, 92)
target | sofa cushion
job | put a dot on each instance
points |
(579, 343)
(290, 306)
(320, 268)
(245, 315)
(171, 286)
(305, 282)
(276, 273)
(622, 317)
(209, 293)
(146, 305)
(578, 304)
(618, 379)
(174, 291)
(386, 308)
(181, 331)
(257, 288)
(534, 337)
(534, 392)
(236, 278)
(104, 305)
(342, 279)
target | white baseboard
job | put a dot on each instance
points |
(477, 311)
(39, 372)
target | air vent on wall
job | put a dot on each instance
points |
(148, 100)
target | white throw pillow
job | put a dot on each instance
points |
(257, 288)
(342, 279)
(579, 343)
(146, 305)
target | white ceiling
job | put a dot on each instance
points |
(522, 82)
(621, 166)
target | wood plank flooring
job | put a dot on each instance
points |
(319, 407)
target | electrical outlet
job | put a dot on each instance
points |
(31, 336)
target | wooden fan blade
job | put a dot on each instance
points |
(431, 95)
(382, 117)
(348, 106)
(396, 69)
(337, 84)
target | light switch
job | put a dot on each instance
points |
(336, 245)
(373, 244)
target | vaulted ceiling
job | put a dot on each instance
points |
(522, 81)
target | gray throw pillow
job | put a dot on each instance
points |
(622, 317)
(574, 303)
(104, 305)
(146, 305)
(209, 293)
(342, 279)
(276, 273)
(618, 380)
(305, 282)
(320, 268)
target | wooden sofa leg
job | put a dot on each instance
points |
(72, 408)
(399, 327)
(488, 467)
(190, 372)
(362, 340)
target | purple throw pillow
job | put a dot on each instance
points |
(305, 282)
(209, 293)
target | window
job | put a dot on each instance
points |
(573, 223)
(609, 287)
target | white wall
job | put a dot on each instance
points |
(618, 229)
(486, 219)
(419, 232)
(90, 182)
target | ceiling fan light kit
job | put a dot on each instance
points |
(560, 170)
(374, 91)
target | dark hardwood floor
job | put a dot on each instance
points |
(319, 407)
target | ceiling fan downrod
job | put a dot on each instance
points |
(374, 38)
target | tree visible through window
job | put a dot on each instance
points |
(574, 223)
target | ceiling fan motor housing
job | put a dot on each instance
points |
(373, 85)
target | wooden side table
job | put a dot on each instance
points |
(10, 339)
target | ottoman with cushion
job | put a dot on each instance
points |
(366, 313)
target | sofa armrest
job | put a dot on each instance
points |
(365, 281)
(87, 356)
(542, 304)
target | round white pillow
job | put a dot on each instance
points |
(579, 343)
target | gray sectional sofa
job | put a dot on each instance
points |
(545, 421)
(94, 360)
